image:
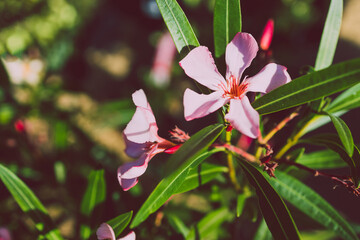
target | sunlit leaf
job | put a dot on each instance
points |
(347, 100)
(178, 25)
(190, 155)
(330, 35)
(209, 225)
(200, 175)
(119, 223)
(310, 87)
(262, 233)
(227, 22)
(344, 134)
(312, 204)
(29, 203)
(273, 208)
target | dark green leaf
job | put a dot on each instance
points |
(95, 192)
(310, 87)
(190, 155)
(29, 203)
(325, 159)
(312, 204)
(227, 23)
(241, 199)
(200, 175)
(119, 223)
(273, 208)
(209, 225)
(333, 142)
(344, 134)
(330, 35)
(178, 25)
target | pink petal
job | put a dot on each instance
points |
(127, 184)
(5, 234)
(142, 127)
(199, 105)
(105, 231)
(200, 66)
(130, 236)
(133, 149)
(239, 54)
(243, 117)
(269, 78)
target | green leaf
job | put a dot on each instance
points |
(312, 204)
(95, 192)
(263, 232)
(119, 223)
(209, 225)
(273, 208)
(200, 175)
(330, 35)
(310, 87)
(324, 159)
(344, 134)
(227, 23)
(178, 25)
(240, 203)
(190, 155)
(347, 100)
(29, 203)
(333, 142)
(178, 224)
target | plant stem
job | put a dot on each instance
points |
(232, 173)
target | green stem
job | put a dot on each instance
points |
(232, 173)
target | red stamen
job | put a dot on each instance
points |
(232, 89)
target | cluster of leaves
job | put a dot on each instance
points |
(187, 169)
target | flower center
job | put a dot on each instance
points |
(232, 89)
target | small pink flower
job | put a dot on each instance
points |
(4, 234)
(240, 52)
(105, 232)
(267, 35)
(142, 142)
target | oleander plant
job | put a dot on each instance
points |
(216, 132)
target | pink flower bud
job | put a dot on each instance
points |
(19, 126)
(267, 35)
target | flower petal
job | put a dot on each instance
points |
(200, 66)
(105, 231)
(243, 117)
(5, 234)
(130, 236)
(199, 105)
(239, 54)
(134, 149)
(269, 78)
(142, 127)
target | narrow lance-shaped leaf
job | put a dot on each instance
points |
(332, 141)
(178, 25)
(227, 22)
(344, 134)
(312, 204)
(29, 203)
(330, 35)
(273, 208)
(310, 87)
(325, 159)
(200, 175)
(191, 154)
(209, 225)
(95, 192)
(119, 223)
(178, 224)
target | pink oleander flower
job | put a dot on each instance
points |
(267, 35)
(240, 52)
(105, 232)
(142, 142)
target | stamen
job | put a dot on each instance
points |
(232, 89)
